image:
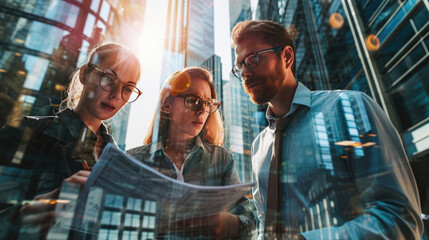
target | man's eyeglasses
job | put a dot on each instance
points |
(194, 103)
(251, 60)
(109, 81)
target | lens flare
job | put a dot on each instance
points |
(336, 20)
(59, 87)
(372, 42)
(293, 32)
(179, 83)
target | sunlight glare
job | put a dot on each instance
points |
(150, 50)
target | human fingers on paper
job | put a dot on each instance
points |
(79, 177)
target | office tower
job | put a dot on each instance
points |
(214, 65)
(239, 11)
(234, 128)
(267, 9)
(189, 37)
(243, 119)
(175, 38)
(200, 32)
(40, 48)
(378, 47)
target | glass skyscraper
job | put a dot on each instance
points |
(377, 47)
(238, 119)
(244, 120)
(189, 37)
(215, 66)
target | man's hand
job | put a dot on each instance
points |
(38, 216)
(219, 226)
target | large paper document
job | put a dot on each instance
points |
(119, 174)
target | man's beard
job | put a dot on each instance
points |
(271, 84)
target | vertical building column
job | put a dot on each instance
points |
(322, 72)
(375, 83)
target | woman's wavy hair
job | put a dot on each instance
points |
(213, 130)
(97, 54)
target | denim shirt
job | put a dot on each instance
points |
(206, 165)
(344, 172)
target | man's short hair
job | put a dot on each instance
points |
(271, 33)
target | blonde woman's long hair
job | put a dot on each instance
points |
(213, 130)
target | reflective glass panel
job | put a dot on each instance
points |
(412, 98)
(57, 10)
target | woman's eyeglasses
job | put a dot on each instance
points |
(194, 103)
(109, 81)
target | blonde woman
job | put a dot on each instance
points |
(65, 146)
(186, 144)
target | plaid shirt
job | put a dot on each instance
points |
(206, 165)
(37, 156)
(43, 151)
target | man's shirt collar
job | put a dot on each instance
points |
(302, 97)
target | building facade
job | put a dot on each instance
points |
(244, 120)
(189, 36)
(377, 47)
(215, 66)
